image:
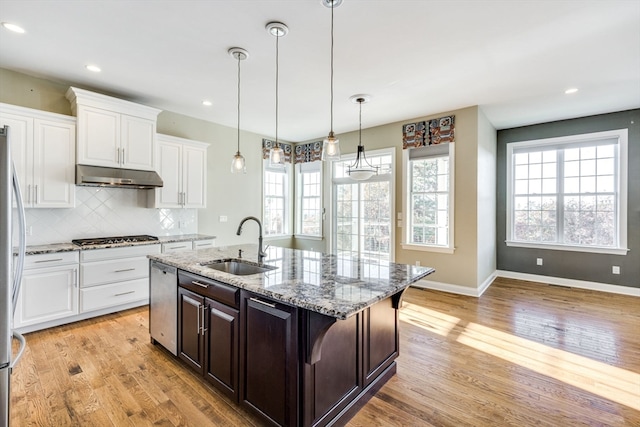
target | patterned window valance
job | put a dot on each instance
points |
(439, 131)
(310, 152)
(267, 144)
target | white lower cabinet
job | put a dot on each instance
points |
(188, 245)
(114, 294)
(114, 276)
(49, 289)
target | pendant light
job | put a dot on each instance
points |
(238, 164)
(330, 145)
(277, 29)
(361, 169)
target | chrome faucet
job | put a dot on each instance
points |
(261, 252)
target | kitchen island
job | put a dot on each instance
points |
(305, 343)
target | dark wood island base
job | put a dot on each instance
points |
(303, 368)
(288, 365)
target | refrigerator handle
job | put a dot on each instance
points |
(23, 345)
(22, 241)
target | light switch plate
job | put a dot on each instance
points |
(223, 218)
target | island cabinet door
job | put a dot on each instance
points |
(190, 329)
(221, 355)
(269, 360)
(380, 338)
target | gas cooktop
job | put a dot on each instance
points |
(114, 240)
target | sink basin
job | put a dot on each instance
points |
(237, 267)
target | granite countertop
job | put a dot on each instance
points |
(66, 247)
(331, 285)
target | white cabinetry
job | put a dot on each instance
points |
(43, 150)
(203, 244)
(114, 276)
(187, 245)
(113, 132)
(49, 289)
(182, 165)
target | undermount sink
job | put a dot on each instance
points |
(238, 267)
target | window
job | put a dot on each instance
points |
(429, 198)
(568, 192)
(309, 200)
(276, 209)
(362, 217)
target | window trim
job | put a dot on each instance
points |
(621, 187)
(298, 171)
(288, 214)
(406, 202)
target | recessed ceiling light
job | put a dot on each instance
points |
(93, 68)
(571, 90)
(13, 27)
(207, 103)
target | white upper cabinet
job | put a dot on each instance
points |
(113, 132)
(182, 165)
(43, 150)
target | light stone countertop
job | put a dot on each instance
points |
(331, 285)
(68, 246)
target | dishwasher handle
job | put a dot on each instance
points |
(167, 269)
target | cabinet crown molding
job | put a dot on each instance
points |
(36, 114)
(92, 99)
(161, 137)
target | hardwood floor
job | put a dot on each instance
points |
(523, 354)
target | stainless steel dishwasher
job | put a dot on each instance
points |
(163, 306)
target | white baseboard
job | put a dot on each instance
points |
(572, 283)
(454, 289)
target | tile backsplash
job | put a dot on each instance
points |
(101, 212)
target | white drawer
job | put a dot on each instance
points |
(113, 294)
(115, 270)
(203, 244)
(50, 260)
(122, 252)
(176, 246)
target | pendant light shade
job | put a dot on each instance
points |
(237, 163)
(277, 29)
(361, 169)
(331, 144)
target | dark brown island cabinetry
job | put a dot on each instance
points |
(288, 365)
(269, 359)
(208, 330)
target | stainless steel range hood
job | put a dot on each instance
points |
(96, 176)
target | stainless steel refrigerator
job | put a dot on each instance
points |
(10, 268)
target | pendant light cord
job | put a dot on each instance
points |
(332, 5)
(277, 52)
(360, 120)
(239, 55)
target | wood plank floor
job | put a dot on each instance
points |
(523, 354)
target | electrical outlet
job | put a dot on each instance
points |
(29, 230)
(538, 261)
(418, 263)
(615, 269)
(223, 218)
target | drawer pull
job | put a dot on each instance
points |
(202, 285)
(177, 247)
(126, 269)
(268, 304)
(49, 260)
(124, 293)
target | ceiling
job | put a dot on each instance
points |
(414, 58)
